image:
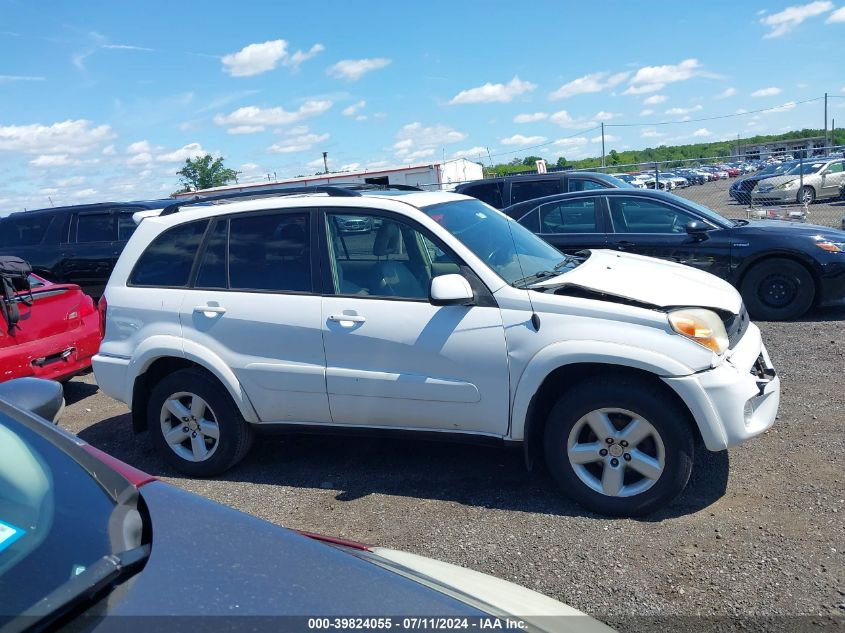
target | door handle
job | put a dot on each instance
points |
(623, 244)
(347, 318)
(210, 309)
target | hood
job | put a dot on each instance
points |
(791, 229)
(773, 181)
(648, 280)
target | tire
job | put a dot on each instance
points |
(778, 289)
(189, 387)
(806, 194)
(618, 399)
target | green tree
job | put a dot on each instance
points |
(613, 155)
(531, 161)
(561, 162)
(204, 172)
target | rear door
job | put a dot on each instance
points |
(255, 304)
(569, 225)
(832, 177)
(89, 255)
(522, 189)
(658, 229)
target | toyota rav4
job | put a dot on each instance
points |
(448, 320)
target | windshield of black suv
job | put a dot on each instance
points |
(512, 251)
(54, 518)
(805, 169)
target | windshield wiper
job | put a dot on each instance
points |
(544, 274)
(79, 590)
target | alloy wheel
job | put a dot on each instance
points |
(616, 452)
(189, 426)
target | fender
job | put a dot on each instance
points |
(564, 353)
(156, 347)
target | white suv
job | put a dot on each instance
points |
(447, 318)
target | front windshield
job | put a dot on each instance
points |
(708, 213)
(805, 169)
(512, 251)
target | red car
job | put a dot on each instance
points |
(56, 334)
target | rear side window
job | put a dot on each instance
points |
(529, 189)
(24, 231)
(489, 192)
(95, 227)
(270, 252)
(125, 226)
(569, 216)
(169, 258)
(582, 184)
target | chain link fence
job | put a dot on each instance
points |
(803, 186)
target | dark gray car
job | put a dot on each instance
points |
(83, 534)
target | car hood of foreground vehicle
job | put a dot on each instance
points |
(648, 280)
(210, 560)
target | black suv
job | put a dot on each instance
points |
(505, 191)
(77, 244)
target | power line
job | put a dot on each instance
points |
(789, 105)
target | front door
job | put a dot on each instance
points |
(253, 305)
(832, 177)
(393, 360)
(658, 229)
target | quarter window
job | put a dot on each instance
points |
(167, 262)
(569, 216)
(582, 184)
(489, 192)
(270, 252)
(212, 270)
(125, 226)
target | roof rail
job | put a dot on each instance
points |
(338, 192)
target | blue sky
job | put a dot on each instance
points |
(105, 100)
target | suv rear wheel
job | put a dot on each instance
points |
(617, 447)
(195, 425)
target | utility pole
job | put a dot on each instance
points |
(602, 143)
(825, 122)
(326, 161)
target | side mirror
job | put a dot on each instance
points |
(44, 398)
(697, 229)
(450, 290)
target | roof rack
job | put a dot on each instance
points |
(339, 192)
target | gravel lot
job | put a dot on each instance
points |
(759, 532)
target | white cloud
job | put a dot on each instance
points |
(126, 47)
(530, 117)
(298, 129)
(651, 133)
(245, 129)
(255, 59)
(415, 134)
(70, 182)
(298, 57)
(601, 115)
(494, 93)
(741, 111)
(565, 120)
(472, 152)
(679, 111)
(608, 138)
(84, 193)
(109, 150)
(519, 139)
(191, 150)
(836, 17)
(361, 117)
(140, 159)
(767, 92)
(594, 82)
(646, 112)
(570, 142)
(5, 79)
(51, 160)
(258, 117)
(299, 143)
(354, 69)
(703, 131)
(655, 99)
(138, 147)
(416, 155)
(786, 107)
(352, 110)
(783, 22)
(727, 92)
(66, 137)
(654, 78)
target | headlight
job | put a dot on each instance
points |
(702, 326)
(831, 247)
(792, 184)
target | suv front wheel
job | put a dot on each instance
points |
(195, 425)
(617, 447)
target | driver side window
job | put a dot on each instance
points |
(379, 256)
(641, 215)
